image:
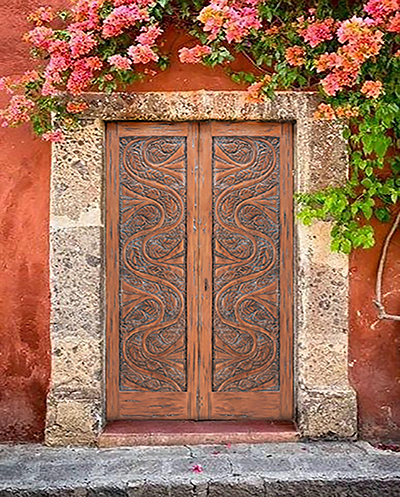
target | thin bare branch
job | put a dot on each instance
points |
(379, 277)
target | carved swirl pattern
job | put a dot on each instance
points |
(246, 264)
(153, 263)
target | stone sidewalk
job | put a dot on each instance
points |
(288, 469)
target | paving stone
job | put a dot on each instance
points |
(323, 469)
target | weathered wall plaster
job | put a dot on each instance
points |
(325, 402)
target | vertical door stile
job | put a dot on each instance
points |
(112, 304)
(192, 267)
(205, 280)
(286, 270)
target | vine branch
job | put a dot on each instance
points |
(378, 302)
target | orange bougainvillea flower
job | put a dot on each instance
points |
(193, 55)
(76, 107)
(325, 111)
(295, 55)
(372, 89)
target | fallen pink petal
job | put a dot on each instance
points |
(197, 468)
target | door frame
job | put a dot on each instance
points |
(325, 403)
(199, 400)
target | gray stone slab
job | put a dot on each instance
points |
(319, 469)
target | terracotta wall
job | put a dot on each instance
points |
(24, 298)
(374, 361)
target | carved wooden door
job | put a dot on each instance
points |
(199, 271)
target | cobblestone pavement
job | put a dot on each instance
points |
(334, 469)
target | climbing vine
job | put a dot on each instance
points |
(345, 50)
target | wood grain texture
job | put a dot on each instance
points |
(200, 270)
(112, 272)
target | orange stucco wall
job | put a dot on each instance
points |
(24, 287)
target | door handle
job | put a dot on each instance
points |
(205, 285)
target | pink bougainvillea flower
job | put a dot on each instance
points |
(6, 84)
(253, 92)
(333, 83)
(82, 73)
(17, 112)
(81, 43)
(94, 63)
(393, 25)
(86, 15)
(194, 55)
(48, 89)
(295, 56)
(122, 18)
(213, 17)
(54, 136)
(328, 61)
(240, 22)
(142, 54)
(40, 37)
(315, 32)
(379, 9)
(120, 62)
(351, 29)
(141, 3)
(41, 16)
(372, 89)
(29, 77)
(149, 35)
(237, 18)
(197, 468)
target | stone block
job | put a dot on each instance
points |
(71, 422)
(327, 413)
(76, 281)
(77, 176)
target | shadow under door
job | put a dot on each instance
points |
(199, 270)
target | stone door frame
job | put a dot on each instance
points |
(325, 403)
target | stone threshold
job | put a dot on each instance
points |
(168, 432)
(300, 469)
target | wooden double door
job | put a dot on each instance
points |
(199, 270)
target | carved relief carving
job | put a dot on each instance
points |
(153, 263)
(246, 264)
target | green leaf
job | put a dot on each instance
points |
(345, 246)
(382, 214)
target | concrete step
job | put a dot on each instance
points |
(334, 469)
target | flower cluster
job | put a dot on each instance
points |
(295, 55)
(194, 55)
(372, 89)
(314, 31)
(78, 57)
(234, 19)
(122, 18)
(17, 112)
(360, 40)
(103, 44)
(327, 112)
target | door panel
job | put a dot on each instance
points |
(245, 324)
(153, 336)
(199, 278)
